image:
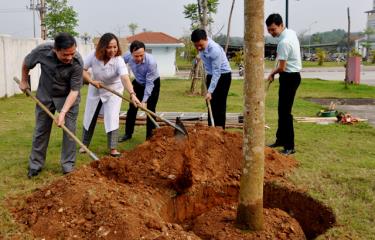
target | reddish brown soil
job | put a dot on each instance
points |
(168, 188)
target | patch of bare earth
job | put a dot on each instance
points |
(168, 188)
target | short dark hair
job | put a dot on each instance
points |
(103, 43)
(135, 45)
(274, 18)
(63, 41)
(198, 34)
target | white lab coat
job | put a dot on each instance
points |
(110, 75)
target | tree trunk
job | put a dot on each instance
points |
(204, 80)
(203, 13)
(194, 75)
(347, 54)
(228, 30)
(250, 206)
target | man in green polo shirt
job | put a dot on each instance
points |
(288, 67)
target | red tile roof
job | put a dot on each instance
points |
(154, 38)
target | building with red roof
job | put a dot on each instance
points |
(163, 47)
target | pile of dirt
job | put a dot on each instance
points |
(165, 188)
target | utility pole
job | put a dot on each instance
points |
(32, 7)
(39, 6)
(287, 13)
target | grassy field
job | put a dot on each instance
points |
(337, 161)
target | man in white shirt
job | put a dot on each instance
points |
(288, 67)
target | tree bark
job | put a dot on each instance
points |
(229, 23)
(203, 13)
(250, 206)
(347, 53)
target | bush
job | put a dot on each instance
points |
(321, 54)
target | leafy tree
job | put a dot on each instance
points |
(60, 18)
(316, 38)
(238, 58)
(133, 27)
(336, 35)
(195, 12)
(373, 56)
(188, 51)
(321, 54)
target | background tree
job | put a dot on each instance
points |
(316, 38)
(321, 55)
(60, 18)
(250, 205)
(132, 28)
(373, 56)
(200, 13)
(238, 58)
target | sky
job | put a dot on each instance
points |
(97, 17)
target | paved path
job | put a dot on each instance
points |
(332, 74)
(323, 73)
(338, 74)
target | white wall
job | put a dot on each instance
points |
(165, 58)
(12, 53)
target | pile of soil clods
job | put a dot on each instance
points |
(218, 224)
(86, 205)
(139, 196)
(211, 154)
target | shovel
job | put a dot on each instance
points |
(41, 105)
(179, 128)
(208, 102)
(210, 112)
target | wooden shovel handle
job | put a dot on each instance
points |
(45, 109)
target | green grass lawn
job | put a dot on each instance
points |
(337, 161)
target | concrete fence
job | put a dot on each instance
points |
(12, 52)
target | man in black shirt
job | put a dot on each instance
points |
(59, 85)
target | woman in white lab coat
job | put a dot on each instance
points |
(107, 68)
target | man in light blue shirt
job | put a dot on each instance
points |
(219, 74)
(288, 67)
(146, 86)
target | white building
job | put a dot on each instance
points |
(371, 17)
(371, 38)
(162, 47)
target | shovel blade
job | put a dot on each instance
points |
(181, 131)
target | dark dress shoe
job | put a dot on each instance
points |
(288, 151)
(125, 138)
(274, 145)
(33, 173)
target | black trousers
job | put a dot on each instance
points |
(289, 83)
(219, 99)
(151, 105)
